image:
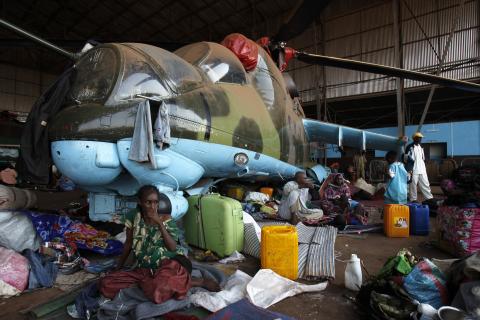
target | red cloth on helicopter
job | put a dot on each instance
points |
(169, 281)
(245, 49)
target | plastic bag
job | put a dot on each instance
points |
(17, 232)
(426, 283)
(257, 197)
(245, 49)
(268, 288)
(13, 272)
(234, 290)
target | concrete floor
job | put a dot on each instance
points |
(333, 303)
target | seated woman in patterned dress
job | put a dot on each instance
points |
(162, 271)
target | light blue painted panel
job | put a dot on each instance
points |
(222, 164)
(319, 131)
(175, 170)
(462, 138)
(87, 163)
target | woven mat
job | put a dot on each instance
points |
(316, 249)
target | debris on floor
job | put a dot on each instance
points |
(64, 252)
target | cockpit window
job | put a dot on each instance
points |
(177, 69)
(268, 81)
(139, 78)
(96, 74)
(194, 53)
(217, 62)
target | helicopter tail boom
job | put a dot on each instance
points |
(319, 131)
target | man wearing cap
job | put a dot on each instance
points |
(415, 165)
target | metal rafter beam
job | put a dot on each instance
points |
(467, 107)
(115, 16)
(76, 44)
(193, 12)
(82, 16)
(146, 21)
(233, 10)
(29, 9)
(239, 12)
(198, 10)
(52, 16)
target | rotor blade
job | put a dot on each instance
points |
(386, 70)
(49, 45)
(78, 44)
(302, 17)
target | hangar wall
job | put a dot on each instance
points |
(20, 87)
(363, 30)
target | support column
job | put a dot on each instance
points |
(397, 31)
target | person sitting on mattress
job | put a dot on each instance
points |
(162, 270)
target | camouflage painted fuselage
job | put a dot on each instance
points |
(209, 96)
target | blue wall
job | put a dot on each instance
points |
(462, 138)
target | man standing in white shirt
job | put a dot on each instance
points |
(415, 164)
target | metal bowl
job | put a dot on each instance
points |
(451, 313)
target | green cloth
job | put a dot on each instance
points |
(148, 245)
(402, 263)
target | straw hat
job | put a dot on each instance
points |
(417, 135)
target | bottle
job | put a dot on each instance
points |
(353, 273)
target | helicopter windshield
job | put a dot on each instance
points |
(139, 78)
(178, 70)
(268, 81)
(216, 61)
(96, 74)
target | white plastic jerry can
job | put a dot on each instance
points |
(353, 273)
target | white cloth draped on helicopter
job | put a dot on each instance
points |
(142, 147)
(161, 132)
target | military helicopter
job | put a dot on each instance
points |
(224, 121)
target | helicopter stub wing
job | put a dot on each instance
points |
(319, 131)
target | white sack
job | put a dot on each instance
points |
(268, 288)
(17, 232)
(7, 291)
(257, 197)
(234, 257)
(234, 290)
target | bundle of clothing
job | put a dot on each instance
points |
(78, 235)
(259, 206)
(403, 284)
(406, 287)
(143, 294)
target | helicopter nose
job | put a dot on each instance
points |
(87, 163)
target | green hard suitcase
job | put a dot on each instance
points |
(215, 223)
